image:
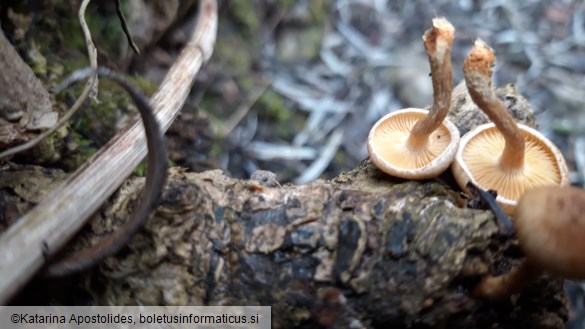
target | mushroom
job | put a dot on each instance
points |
(503, 156)
(415, 143)
(550, 227)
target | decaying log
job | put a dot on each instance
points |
(363, 250)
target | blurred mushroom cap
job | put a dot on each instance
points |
(550, 225)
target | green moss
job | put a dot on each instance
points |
(246, 12)
(286, 4)
(79, 150)
(216, 150)
(58, 30)
(57, 48)
(300, 43)
(271, 105)
(247, 82)
(36, 60)
(234, 51)
(48, 150)
(318, 10)
(562, 129)
(341, 157)
(141, 169)
(99, 122)
(212, 106)
(146, 86)
(106, 30)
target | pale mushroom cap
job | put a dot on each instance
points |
(477, 160)
(550, 225)
(389, 151)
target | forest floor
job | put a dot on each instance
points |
(294, 86)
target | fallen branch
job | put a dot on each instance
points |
(363, 250)
(46, 228)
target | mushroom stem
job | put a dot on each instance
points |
(477, 71)
(502, 286)
(438, 41)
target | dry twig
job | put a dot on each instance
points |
(125, 28)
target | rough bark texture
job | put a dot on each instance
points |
(362, 249)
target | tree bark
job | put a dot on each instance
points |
(363, 250)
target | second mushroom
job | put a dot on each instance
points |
(504, 156)
(550, 227)
(415, 143)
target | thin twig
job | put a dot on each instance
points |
(270, 151)
(505, 225)
(125, 27)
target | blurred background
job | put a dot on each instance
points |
(294, 86)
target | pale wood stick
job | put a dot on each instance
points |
(47, 227)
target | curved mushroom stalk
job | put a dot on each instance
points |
(438, 42)
(550, 227)
(503, 156)
(478, 71)
(414, 143)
